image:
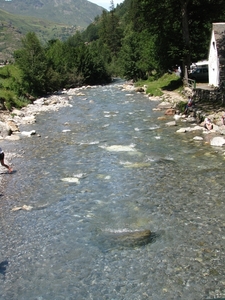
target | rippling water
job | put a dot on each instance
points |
(103, 167)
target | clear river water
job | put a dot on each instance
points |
(103, 167)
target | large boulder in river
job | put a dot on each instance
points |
(125, 239)
(170, 112)
(217, 141)
(12, 125)
(4, 129)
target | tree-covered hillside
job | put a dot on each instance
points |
(14, 27)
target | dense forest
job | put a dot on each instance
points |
(139, 39)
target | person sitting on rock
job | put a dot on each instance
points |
(208, 124)
(190, 103)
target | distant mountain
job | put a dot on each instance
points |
(14, 27)
(79, 13)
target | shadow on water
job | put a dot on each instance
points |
(3, 266)
(7, 172)
(120, 240)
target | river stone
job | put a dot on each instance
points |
(5, 129)
(198, 138)
(161, 118)
(196, 127)
(217, 141)
(29, 120)
(165, 105)
(172, 123)
(183, 130)
(13, 126)
(126, 239)
(12, 137)
(28, 133)
(71, 180)
(138, 165)
(24, 207)
(119, 148)
(170, 112)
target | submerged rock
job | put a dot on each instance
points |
(71, 180)
(119, 148)
(24, 207)
(125, 239)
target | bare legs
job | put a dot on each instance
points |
(3, 163)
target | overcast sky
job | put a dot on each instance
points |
(106, 3)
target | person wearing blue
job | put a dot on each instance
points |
(2, 155)
(189, 104)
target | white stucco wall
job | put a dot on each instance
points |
(213, 62)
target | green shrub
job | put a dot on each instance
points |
(181, 106)
(8, 100)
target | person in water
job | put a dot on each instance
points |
(2, 155)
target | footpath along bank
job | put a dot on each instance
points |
(168, 104)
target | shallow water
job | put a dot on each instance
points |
(117, 170)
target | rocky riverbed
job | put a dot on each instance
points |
(10, 122)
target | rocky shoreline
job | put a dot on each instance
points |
(194, 121)
(10, 122)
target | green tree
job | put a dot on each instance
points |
(31, 60)
(137, 55)
(110, 31)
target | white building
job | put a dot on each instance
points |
(217, 55)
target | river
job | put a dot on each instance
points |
(105, 166)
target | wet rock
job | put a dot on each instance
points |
(198, 138)
(24, 207)
(12, 137)
(28, 133)
(4, 129)
(165, 105)
(170, 112)
(191, 119)
(119, 148)
(12, 125)
(177, 117)
(172, 123)
(183, 130)
(217, 141)
(124, 239)
(195, 128)
(71, 180)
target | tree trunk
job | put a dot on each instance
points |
(185, 32)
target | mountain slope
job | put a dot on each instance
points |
(14, 27)
(79, 13)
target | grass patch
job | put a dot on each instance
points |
(155, 87)
(10, 88)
